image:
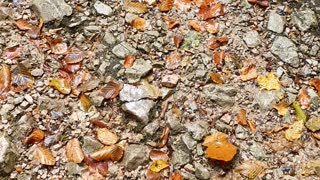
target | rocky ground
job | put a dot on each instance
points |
(95, 67)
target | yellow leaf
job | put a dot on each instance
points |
(158, 165)
(282, 108)
(85, 102)
(62, 85)
(269, 82)
(44, 156)
(295, 130)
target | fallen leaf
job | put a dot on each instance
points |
(182, 5)
(135, 7)
(107, 137)
(316, 84)
(166, 5)
(216, 78)
(5, 79)
(138, 23)
(150, 175)
(62, 85)
(316, 135)
(164, 137)
(22, 78)
(241, 117)
(111, 90)
(251, 169)
(214, 43)
(196, 25)
(99, 123)
(212, 27)
(23, 25)
(85, 102)
(59, 48)
(282, 108)
(89, 85)
(173, 60)
(36, 136)
(44, 156)
(91, 175)
(252, 126)
(269, 82)
(295, 130)
(34, 32)
(249, 73)
(113, 153)
(74, 57)
(13, 52)
(74, 152)
(171, 23)
(219, 148)
(71, 68)
(300, 115)
(304, 98)
(177, 40)
(176, 175)
(207, 11)
(158, 165)
(262, 3)
(128, 61)
(157, 155)
(218, 57)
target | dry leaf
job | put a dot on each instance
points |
(107, 137)
(216, 78)
(252, 126)
(249, 73)
(295, 130)
(111, 90)
(157, 155)
(304, 98)
(166, 5)
(128, 61)
(214, 43)
(176, 175)
(164, 137)
(262, 3)
(74, 57)
(71, 68)
(150, 175)
(241, 117)
(74, 152)
(269, 82)
(23, 25)
(36, 136)
(135, 7)
(177, 40)
(251, 169)
(173, 60)
(138, 23)
(196, 25)
(316, 84)
(59, 48)
(13, 52)
(89, 85)
(316, 134)
(207, 11)
(5, 79)
(85, 102)
(113, 153)
(219, 148)
(212, 27)
(22, 79)
(62, 85)
(100, 124)
(218, 57)
(183, 5)
(158, 165)
(171, 23)
(44, 156)
(282, 108)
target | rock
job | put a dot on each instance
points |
(90, 144)
(8, 155)
(199, 150)
(123, 49)
(188, 176)
(286, 50)
(37, 72)
(252, 38)
(267, 99)
(201, 171)
(22, 128)
(276, 22)
(139, 69)
(24, 176)
(257, 151)
(96, 98)
(139, 109)
(129, 17)
(188, 141)
(174, 122)
(151, 128)
(313, 124)
(74, 169)
(314, 50)
(191, 40)
(109, 38)
(52, 9)
(102, 8)
(180, 158)
(241, 132)
(223, 95)
(304, 19)
(135, 155)
(134, 93)
(198, 129)
(170, 80)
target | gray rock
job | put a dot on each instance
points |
(74, 169)
(134, 93)
(304, 19)
(188, 141)
(257, 150)
(90, 144)
(201, 171)
(180, 158)
(52, 9)
(37, 72)
(267, 99)
(139, 69)
(286, 50)
(6, 108)
(8, 155)
(252, 38)
(139, 109)
(314, 50)
(22, 128)
(198, 129)
(24, 176)
(151, 128)
(276, 22)
(173, 122)
(96, 98)
(102, 8)
(135, 155)
(109, 38)
(199, 150)
(223, 95)
(313, 124)
(123, 49)
(129, 17)
(241, 132)
(188, 176)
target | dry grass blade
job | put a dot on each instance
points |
(85, 102)
(157, 154)
(113, 153)
(166, 5)
(107, 137)
(135, 7)
(44, 156)
(164, 137)
(36, 136)
(111, 90)
(74, 152)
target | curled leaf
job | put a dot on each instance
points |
(85, 102)
(128, 61)
(62, 85)
(304, 98)
(216, 78)
(157, 154)
(36, 136)
(113, 153)
(44, 156)
(316, 84)
(214, 43)
(218, 57)
(177, 40)
(249, 73)
(158, 165)
(282, 108)
(251, 169)
(107, 137)
(74, 152)
(164, 137)
(269, 82)
(171, 23)
(166, 5)
(135, 7)
(241, 117)
(111, 90)
(138, 23)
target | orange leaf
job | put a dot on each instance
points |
(304, 98)
(241, 117)
(44, 156)
(214, 43)
(252, 126)
(23, 25)
(62, 85)
(196, 25)
(171, 23)
(36, 136)
(173, 60)
(249, 73)
(183, 5)
(128, 61)
(262, 3)
(112, 89)
(212, 27)
(216, 78)
(177, 40)
(113, 153)
(150, 175)
(316, 84)
(74, 152)
(210, 11)
(138, 23)
(218, 57)
(157, 155)
(176, 175)
(135, 7)
(107, 137)
(85, 102)
(164, 137)
(166, 5)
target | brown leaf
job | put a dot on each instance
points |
(107, 137)
(74, 57)
(251, 169)
(34, 32)
(72, 68)
(135, 7)
(13, 52)
(5, 79)
(209, 11)
(23, 25)
(85, 102)
(214, 43)
(182, 5)
(113, 153)
(171, 23)
(74, 152)
(218, 58)
(22, 79)
(164, 137)
(166, 5)
(99, 123)
(89, 85)
(36, 136)
(128, 61)
(176, 175)
(212, 27)
(316, 84)
(44, 156)
(60, 84)
(150, 175)
(102, 168)
(111, 90)
(196, 25)
(249, 73)
(59, 48)
(177, 40)
(304, 98)
(262, 3)
(138, 23)
(157, 155)
(173, 60)
(252, 126)
(216, 78)
(241, 117)
(282, 108)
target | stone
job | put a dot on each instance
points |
(90, 144)
(74, 169)
(135, 155)
(241, 132)
(23, 127)
(174, 122)
(24, 176)
(257, 150)
(199, 150)
(109, 38)
(223, 95)
(139, 109)
(267, 99)
(314, 50)
(198, 129)
(201, 171)
(151, 128)
(37, 72)
(276, 22)
(252, 38)
(139, 69)
(123, 49)
(188, 176)
(102, 8)
(52, 9)
(170, 80)
(304, 19)
(134, 93)
(96, 98)
(28, 98)
(6, 108)
(286, 50)
(8, 155)
(313, 124)
(129, 17)
(188, 141)
(180, 158)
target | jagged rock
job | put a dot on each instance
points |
(304, 19)
(102, 8)
(276, 22)
(52, 9)
(123, 49)
(139, 109)
(135, 155)
(139, 69)
(286, 50)
(8, 155)
(223, 95)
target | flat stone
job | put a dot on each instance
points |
(123, 49)
(180, 158)
(223, 95)
(52, 9)
(37, 72)
(135, 155)
(188, 141)
(170, 80)
(252, 38)
(276, 22)
(201, 171)
(313, 124)
(174, 122)
(74, 169)
(304, 19)
(267, 99)
(134, 93)
(286, 50)
(102, 8)
(198, 129)
(139, 69)
(151, 128)
(109, 38)
(8, 155)
(90, 144)
(139, 109)
(257, 151)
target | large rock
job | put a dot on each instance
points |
(252, 38)
(123, 49)
(276, 22)
(8, 155)
(139, 109)
(223, 95)
(304, 19)
(139, 69)
(134, 93)
(90, 144)
(52, 9)
(313, 124)
(135, 155)
(198, 129)
(286, 50)
(267, 99)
